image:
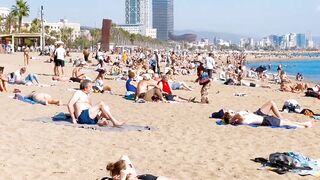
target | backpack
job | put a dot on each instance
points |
(204, 79)
(282, 161)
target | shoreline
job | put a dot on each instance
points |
(273, 59)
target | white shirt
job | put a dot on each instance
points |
(210, 63)
(60, 52)
(16, 76)
(100, 55)
(248, 118)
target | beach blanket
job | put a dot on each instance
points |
(65, 120)
(221, 123)
(25, 99)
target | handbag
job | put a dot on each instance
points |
(204, 78)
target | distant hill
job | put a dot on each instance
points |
(86, 28)
(234, 38)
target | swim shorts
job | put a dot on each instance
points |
(268, 120)
(84, 118)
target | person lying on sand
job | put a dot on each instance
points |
(83, 112)
(261, 117)
(294, 88)
(44, 98)
(124, 170)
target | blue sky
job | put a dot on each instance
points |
(247, 17)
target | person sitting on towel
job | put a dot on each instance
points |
(82, 110)
(262, 118)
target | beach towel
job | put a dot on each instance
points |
(25, 99)
(65, 120)
(221, 123)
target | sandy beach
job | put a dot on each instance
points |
(187, 144)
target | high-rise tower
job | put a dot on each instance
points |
(163, 19)
(138, 12)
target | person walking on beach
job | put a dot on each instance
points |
(204, 81)
(210, 64)
(60, 54)
(83, 112)
(26, 55)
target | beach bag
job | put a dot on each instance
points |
(291, 105)
(204, 78)
(282, 160)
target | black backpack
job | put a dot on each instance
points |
(282, 160)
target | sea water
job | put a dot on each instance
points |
(310, 69)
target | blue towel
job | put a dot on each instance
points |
(316, 117)
(25, 99)
(221, 123)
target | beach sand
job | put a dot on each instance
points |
(187, 144)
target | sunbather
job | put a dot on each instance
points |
(131, 85)
(16, 77)
(148, 90)
(83, 112)
(294, 88)
(167, 91)
(3, 81)
(124, 170)
(44, 98)
(262, 117)
(98, 83)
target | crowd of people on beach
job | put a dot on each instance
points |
(149, 75)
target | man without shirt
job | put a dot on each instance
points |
(147, 89)
(262, 118)
(83, 112)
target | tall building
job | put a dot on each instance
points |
(301, 41)
(138, 12)
(64, 23)
(138, 18)
(163, 19)
(133, 12)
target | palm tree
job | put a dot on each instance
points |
(35, 26)
(10, 21)
(20, 10)
(66, 35)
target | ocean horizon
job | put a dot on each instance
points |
(310, 69)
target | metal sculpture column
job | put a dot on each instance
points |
(105, 36)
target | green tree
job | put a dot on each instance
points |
(20, 10)
(81, 43)
(35, 26)
(66, 36)
(11, 21)
(132, 38)
(96, 36)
